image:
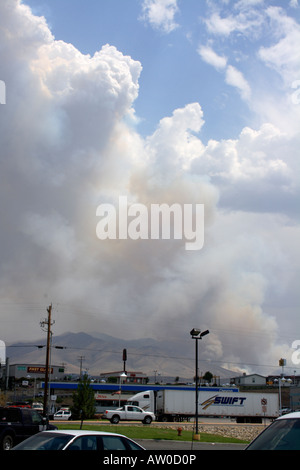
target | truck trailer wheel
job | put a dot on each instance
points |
(165, 419)
(7, 442)
(115, 419)
(147, 420)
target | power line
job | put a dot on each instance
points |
(186, 358)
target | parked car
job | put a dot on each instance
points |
(37, 406)
(282, 434)
(78, 440)
(17, 424)
(284, 411)
(63, 415)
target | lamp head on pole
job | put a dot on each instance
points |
(195, 333)
(204, 333)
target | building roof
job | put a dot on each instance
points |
(250, 375)
(128, 373)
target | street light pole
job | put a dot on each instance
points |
(120, 386)
(196, 334)
(197, 380)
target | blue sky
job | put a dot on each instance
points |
(174, 70)
(163, 101)
(174, 73)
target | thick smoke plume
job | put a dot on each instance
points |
(69, 143)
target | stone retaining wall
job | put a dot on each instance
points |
(245, 432)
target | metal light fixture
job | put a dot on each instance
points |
(194, 332)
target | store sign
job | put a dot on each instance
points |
(38, 370)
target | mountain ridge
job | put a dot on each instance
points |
(101, 353)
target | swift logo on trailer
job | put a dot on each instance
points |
(223, 401)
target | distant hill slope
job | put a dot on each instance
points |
(102, 353)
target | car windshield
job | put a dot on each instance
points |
(283, 434)
(44, 441)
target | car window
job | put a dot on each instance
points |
(10, 415)
(84, 443)
(137, 409)
(26, 416)
(36, 417)
(42, 441)
(113, 443)
(281, 435)
(131, 445)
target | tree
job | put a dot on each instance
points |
(2, 399)
(83, 400)
(208, 376)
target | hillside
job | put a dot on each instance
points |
(102, 353)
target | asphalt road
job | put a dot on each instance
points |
(157, 444)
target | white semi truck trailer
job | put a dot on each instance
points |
(176, 405)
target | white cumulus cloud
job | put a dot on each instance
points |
(212, 58)
(161, 14)
(236, 79)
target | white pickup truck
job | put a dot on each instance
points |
(129, 412)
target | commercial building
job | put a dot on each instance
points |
(250, 380)
(33, 371)
(126, 378)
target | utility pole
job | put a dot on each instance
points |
(80, 367)
(48, 324)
